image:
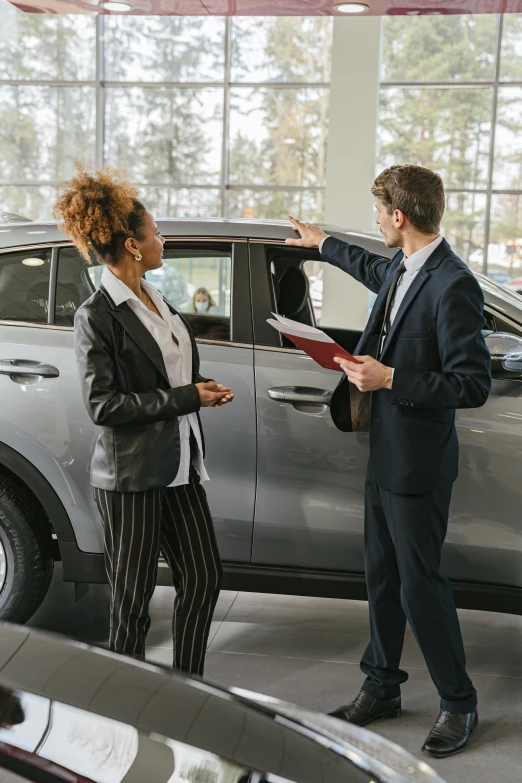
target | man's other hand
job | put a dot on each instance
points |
(311, 235)
(370, 375)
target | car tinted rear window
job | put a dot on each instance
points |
(24, 285)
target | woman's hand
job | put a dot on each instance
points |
(212, 394)
(229, 396)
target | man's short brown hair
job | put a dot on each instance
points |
(415, 191)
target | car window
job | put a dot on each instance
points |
(315, 293)
(197, 283)
(495, 322)
(24, 285)
(499, 291)
(330, 289)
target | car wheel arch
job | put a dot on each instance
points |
(17, 467)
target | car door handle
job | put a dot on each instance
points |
(14, 367)
(304, 395)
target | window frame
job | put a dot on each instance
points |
(240, 297)
(262, 252)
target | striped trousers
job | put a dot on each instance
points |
(138, 526)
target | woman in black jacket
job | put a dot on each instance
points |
(139, 371)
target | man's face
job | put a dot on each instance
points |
(387, 224)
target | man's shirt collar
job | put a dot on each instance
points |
(417, 260)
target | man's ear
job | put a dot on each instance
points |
(399, 219)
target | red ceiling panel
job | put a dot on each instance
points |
(274, 7)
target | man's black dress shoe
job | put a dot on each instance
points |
(365, 708)
(450, 733)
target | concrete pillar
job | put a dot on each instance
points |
(350, 165)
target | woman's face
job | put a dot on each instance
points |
(151, 246)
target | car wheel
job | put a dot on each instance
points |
(26, 561)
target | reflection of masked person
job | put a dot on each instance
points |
(203, 303)
(11, 712)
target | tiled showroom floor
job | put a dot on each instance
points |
(307, 650)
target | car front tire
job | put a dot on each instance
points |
(26, 561)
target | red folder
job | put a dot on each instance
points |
(322, 353)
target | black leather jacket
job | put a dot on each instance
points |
(126, 391)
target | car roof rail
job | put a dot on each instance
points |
(12, 217)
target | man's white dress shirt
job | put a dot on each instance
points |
(177, 358)
(413, 264)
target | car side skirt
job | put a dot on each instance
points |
(333, 584)
(82, 567)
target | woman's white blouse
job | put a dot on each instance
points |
(177, 358)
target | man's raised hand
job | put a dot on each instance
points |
(311, 235)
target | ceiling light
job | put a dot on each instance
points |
(37, 232)
(289, 141)
(33, 261)
(117, 7)
(352, 8)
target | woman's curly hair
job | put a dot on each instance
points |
(100, 210)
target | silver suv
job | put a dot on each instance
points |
(287, 487)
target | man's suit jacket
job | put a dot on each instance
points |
(126, 391)
(441, 363)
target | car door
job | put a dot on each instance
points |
(310, 490)
(484, 541)
(224, 337)
(309, 510)
(225, 344)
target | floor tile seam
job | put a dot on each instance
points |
(209, 645)
(230, 607)
(210, 640)
(316, 660)
(351, 663)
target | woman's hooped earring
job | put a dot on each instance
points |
(138, 257)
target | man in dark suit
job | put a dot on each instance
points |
(422, 355)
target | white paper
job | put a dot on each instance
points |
(296, 325)
(316, 334)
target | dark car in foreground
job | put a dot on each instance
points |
(286, 488)
(78, 714)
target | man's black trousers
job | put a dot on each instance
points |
(404, 535)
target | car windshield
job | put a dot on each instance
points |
(500, 291)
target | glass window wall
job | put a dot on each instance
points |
(451, 99)
(208, 116)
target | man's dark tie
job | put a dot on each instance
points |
(386, 321)
(360, 402)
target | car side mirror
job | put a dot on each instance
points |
(506, 354)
